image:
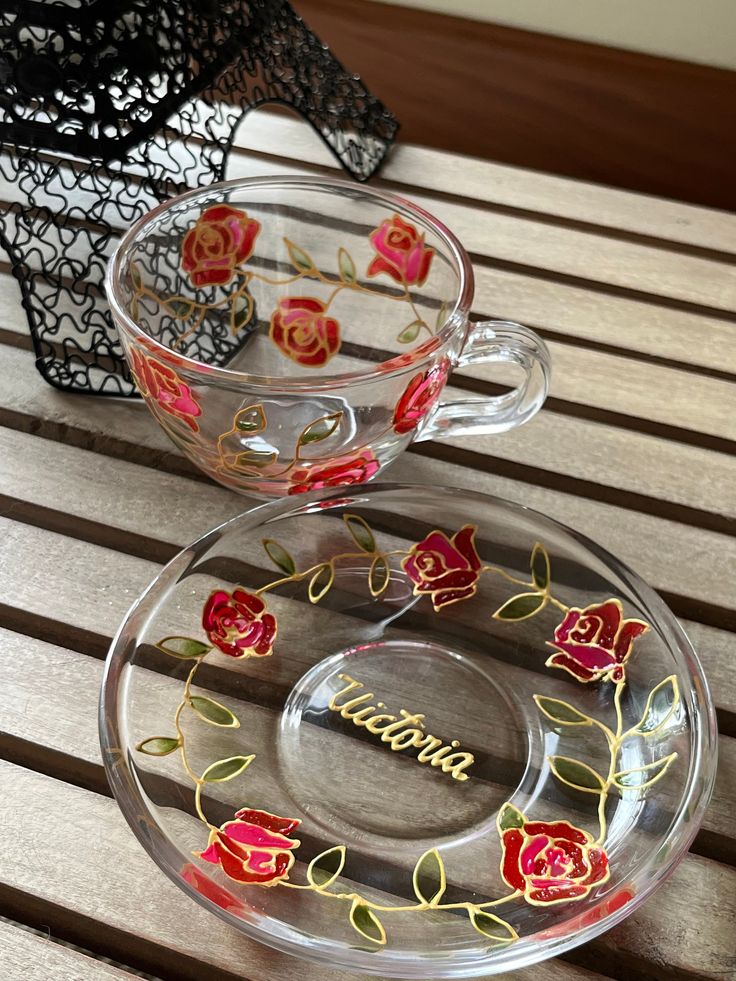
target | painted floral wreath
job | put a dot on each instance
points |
(214, 252)
(543, 862)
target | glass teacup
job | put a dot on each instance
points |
(291, 334)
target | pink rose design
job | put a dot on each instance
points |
(349, 470)
(160, 383)
(254, 848)
(446, 569)
(400, 252)
(238, 624)
(595, 642)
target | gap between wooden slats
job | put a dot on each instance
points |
(26, 956)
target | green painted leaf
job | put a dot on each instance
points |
(661, 706)
(577, 775)
(643, 776)
(279, 556)
(346, 266)
(441, 316)
(224, 770)
(429, 878)
(540, 567)
(241, 312)
(561, 712)
(320, 429)
(362, 534)
(410, 333)
(301, 260)
(181, 309)
(183, 647)
(379, 576)
(325, 868)
(521, 607)
(158, 745)
(493, 927)
(321, 582)
(510, 817)
(255, 458)
(365, 921)
(251, 419)
(212, 712)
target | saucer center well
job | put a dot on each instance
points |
(400, 741)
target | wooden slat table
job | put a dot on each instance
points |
(637, 300)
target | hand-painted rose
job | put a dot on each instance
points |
(349, 470)
(445, 569)
(222, 238)
(550, 862)
(419, 398)
(161, 383)
(400, 252)
(300, 328)
(595, 642)
(254, 848)
(238, 624)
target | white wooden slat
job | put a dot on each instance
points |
(486, 182)
(141, 902)
(603, 454)
(27, 957)
(567, 251)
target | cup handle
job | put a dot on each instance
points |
(501, 341)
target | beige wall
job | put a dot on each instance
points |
(692, 30)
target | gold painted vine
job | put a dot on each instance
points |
(543, 862)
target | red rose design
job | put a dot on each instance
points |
(160, 383)
(419, 397)
(254, 848)
(301, 330)
(595, 642)
(447, 569)
(196, 878)
(222, 238)
(400, 252)
(238, 624)
(551, 862)
(349, 470)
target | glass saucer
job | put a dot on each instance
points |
(417, 732)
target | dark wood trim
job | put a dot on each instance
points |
(582, 110)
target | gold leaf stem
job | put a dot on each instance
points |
(614, 740)
(299, 576)
(196, 780)
(526, 583)
(408, 908)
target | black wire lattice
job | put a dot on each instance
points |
(107, 108)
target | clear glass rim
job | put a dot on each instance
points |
(455, 319)
(402, 964)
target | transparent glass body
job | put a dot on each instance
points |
(474, 679)
(298, 333)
